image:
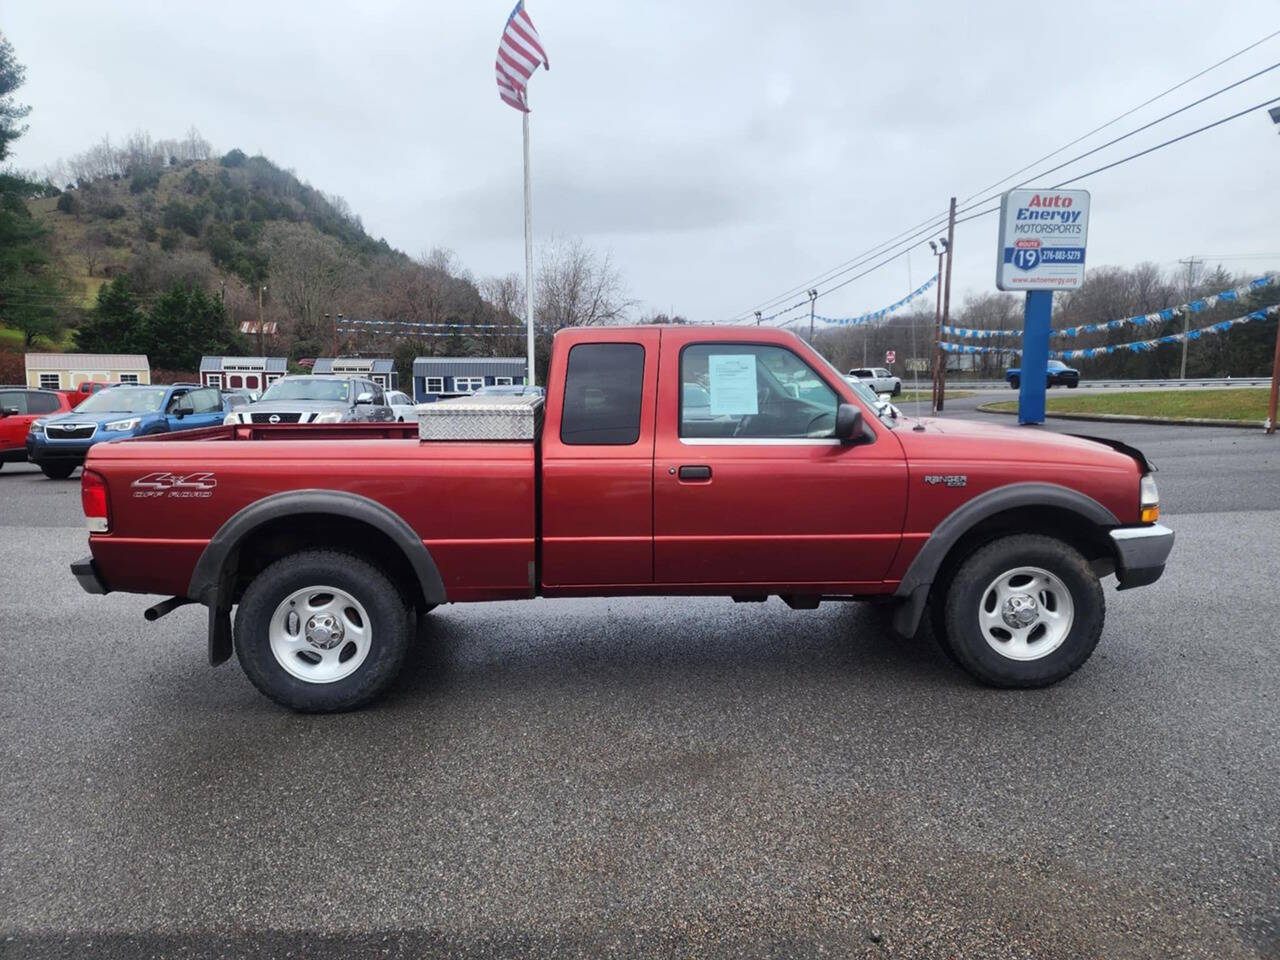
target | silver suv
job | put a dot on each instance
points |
(317, 399)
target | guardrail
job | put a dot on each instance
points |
(1104, 384)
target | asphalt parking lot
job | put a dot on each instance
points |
(652, 777)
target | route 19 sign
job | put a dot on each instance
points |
(1042, 239)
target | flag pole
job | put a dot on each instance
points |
(528, 253)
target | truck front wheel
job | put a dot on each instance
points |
(321, 631)
(1023, 611)
(1015, 381)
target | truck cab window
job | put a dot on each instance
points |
(602, 393)
(752, 391)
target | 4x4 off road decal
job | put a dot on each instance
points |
(191, 486)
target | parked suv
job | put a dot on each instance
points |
(317, 399)
(19, 408)
(59, 444)
(1058, 375)
(878, 379)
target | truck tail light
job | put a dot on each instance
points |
(97, 506)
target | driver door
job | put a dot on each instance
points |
(750, 486)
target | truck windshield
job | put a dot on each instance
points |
(124, 400)
(308, 388)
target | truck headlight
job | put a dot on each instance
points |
(37, 426)
(230, 418)
(333, 416)
(1149, 499)
(118, 426)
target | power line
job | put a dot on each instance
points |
(1070, 180)
(932, 223)
(1127, 113)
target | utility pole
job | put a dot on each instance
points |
(262, 350)
(1190, 263)
(757, 318)
(1275, 384)
(946, 299)
(937, 326)
(337, 320)
(813, 298)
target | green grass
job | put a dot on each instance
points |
(1235, 404)
(911, 396)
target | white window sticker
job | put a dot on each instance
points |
(733, 384)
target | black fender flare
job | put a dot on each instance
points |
(913, 590)
(210, 581)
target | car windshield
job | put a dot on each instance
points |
(124, 400)
(1057, 365)
(872, 399)
(308, 388)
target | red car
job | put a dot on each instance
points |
(671, 460)
(19, 408)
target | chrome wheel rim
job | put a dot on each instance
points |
(320, 634)
(1026, 613)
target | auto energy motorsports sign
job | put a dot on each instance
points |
(1042, 239)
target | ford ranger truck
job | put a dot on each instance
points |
(666, 461)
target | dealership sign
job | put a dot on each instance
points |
(1042, 239)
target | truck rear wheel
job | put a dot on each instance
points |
(1015, 382)
(1023, 611)
(321, 631)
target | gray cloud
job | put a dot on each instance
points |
(724, 151)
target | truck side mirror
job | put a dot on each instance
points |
(365, 398)
(848, 423)
(10, 412)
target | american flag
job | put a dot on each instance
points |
(519, 54)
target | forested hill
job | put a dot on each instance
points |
(209, 222)
(152, 217)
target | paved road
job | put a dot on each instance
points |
(620, 778)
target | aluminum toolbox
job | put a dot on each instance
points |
(497, 417)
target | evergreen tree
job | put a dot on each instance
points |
(117, 324)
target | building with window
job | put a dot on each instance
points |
(438, 378)
(66, 371)
(381, 370)
(242, 373)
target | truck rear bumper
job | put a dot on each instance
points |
(86, 572)
(1141, 553)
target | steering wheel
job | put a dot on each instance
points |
(762, 401)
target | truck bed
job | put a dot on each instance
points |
(471, 503)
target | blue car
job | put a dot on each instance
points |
(59, 444)
(1058, 375)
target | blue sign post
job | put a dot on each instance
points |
(1041, 249)
(1035, 356)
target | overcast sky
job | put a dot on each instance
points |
(724, 152)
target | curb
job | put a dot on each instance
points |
(1134, 418)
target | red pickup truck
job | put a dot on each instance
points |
(667, 461)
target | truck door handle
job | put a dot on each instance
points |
(695, 473)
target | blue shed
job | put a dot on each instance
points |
(381, 370)
(438, 378)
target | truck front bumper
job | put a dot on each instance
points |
(1141, 553)
(86, 572)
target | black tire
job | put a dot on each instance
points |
(1072, 384)
(1015, 382)
(58, 471)
(897, 390)
(390, 625)
(965, 594)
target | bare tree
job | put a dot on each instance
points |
(578, 287)
(307, 273)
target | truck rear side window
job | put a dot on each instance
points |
(602, 391)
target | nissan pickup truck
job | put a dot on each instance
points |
(664, 461)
